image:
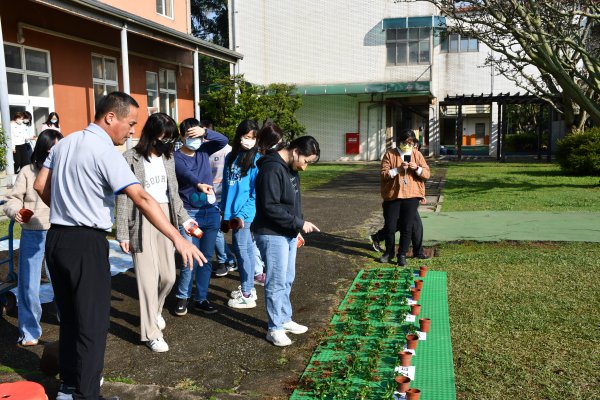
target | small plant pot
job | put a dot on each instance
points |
(423, 271)
(405, 357)
(413, 394)
(415, 294)
(415, 309)
(419, 284)
(26, 214)
(424, 324)
(412, 341)
(403, 383)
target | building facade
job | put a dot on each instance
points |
(369, 69)
(63, 55)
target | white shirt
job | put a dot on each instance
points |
(155, 181)
(19, 134)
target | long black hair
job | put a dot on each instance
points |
(306, 146)
(269, 138)
(246, 157)
(156, 125)
(43, 144)
(49, 120)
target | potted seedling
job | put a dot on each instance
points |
(412, 340)
(415, 309)
(415, 294)
(424, 324)
(413, 394)
(404, 358)
(403, 383)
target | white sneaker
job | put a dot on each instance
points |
(158, 345)
(237, 293)
(242, 302)
(278, 338)
(294, 328)
(160, 322)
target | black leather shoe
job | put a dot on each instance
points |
(205, 307)
(385, 258)
(402, 261)
(422, 256)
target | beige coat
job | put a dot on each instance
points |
(395, 188)
(22, 195)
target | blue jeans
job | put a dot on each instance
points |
(243, 246)
(259, 265)
(224, 255)
(208, 220)
(31, 259)
(279, 254)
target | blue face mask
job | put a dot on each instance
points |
(193, 143)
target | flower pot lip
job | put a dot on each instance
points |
(404, 353)
(412, 336)
(414, 390)
(402, 379)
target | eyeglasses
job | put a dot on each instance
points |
(167, 141)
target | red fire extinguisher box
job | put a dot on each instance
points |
(352, 143)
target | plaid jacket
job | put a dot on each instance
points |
(129, 217)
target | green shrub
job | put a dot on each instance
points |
(2, 150)
(579, 153)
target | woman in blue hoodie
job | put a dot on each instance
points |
(276, 226)
(239, 207)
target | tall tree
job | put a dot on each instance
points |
(551, 48)
(210, 22)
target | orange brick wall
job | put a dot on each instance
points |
(147, 9)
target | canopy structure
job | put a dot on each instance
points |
(503, 100)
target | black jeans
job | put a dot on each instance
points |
(77, 258)
(399, 212)
(416, 237)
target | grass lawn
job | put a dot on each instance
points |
(518, 187)
(524, 319)
(321, 173)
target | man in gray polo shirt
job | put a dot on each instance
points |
(79, 181)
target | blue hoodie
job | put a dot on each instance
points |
(238, 198)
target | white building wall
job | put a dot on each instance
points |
(314, 42)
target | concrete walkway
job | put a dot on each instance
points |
(487, 226)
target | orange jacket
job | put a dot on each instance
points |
(395, 188)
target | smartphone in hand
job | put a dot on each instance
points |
(407, 158)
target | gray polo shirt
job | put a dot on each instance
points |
(87, 172)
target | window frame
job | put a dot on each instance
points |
(403, 38)
(167, 91)
(24, 72)
(449, 37)
(156, 90)
(104, 81)
(163, 13)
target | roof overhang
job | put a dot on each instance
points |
(411, 88)
(117, 18)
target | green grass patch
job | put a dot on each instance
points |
(321, 173)
(4, 229)
(24, 372)
(518, 187)
(524, 319)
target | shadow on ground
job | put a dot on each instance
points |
(225, 354)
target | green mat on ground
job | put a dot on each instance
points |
(487, 226)
(356, 359)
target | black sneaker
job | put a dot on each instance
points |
(385, 258)
(221, 270)
(181, 307)
(205, 307)
(402, 261)
(376, 244)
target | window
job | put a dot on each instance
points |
(168, 92)
(408, 46)
(165, 7)
(27, 71)
(152, 91)
(104, 76)
(456, 43)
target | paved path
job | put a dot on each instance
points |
(511, 225)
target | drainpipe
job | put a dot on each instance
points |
(5, 112)
(196, 54)
(125, 67)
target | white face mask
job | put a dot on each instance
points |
(193, 143)
(19, 121)
(247, 144)
(54, 120)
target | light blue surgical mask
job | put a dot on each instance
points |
(193, 143)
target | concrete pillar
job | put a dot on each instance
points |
(195, 54)
(125, 67)
(5, 112)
